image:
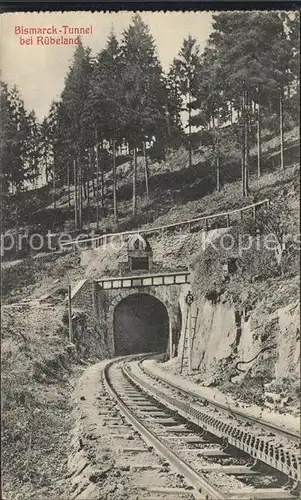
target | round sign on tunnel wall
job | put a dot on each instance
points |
(189, 298)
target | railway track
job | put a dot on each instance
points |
(212, 466)
(278, 431)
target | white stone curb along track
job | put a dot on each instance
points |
(281, 432)
(259, 447)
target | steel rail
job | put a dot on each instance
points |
(278, 431)
(203, 489)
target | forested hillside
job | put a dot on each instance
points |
(132, 144)
(120, 108)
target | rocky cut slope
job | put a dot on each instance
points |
(247, 285)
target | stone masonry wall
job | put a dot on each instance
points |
(96, 308)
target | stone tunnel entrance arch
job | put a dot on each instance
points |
(140, 324)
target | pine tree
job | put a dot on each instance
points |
(144, 92)
(251, 49)
(174, 107)
(293, 25)
(45, 147)
(210, 105)
(186, 67)
(70, 126)
(55, 133)
(103, 105)
(19, 142)
(8, 132)
(33, 148)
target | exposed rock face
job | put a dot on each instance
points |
(233, 345)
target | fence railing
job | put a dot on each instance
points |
(205, 222)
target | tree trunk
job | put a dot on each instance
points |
(167, 117)
(243, 144)
(80, 204)
(88, 192)
(17, 226)
(92, 175)
(102, 179)
(258, 141)
(97, 186)
(75, 194)
(146, 173)
(247, 143)
(134, 180)
(85, 186)
(246, 178)
(281, 132)
(46, 170)
(88, 177)
(114, 182)
(54, 188)
(218, 187)
(68, 188)
(189, 130)
(217, 154)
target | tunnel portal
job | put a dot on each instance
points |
(141, 324)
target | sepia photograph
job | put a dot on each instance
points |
(150, 255)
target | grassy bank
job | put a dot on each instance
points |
(38, 370)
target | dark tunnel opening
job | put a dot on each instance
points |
(141, 324)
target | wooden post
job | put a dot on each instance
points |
(254, 212)
(94, 300)
(206, 222)
(70, 314)
(228, 220)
